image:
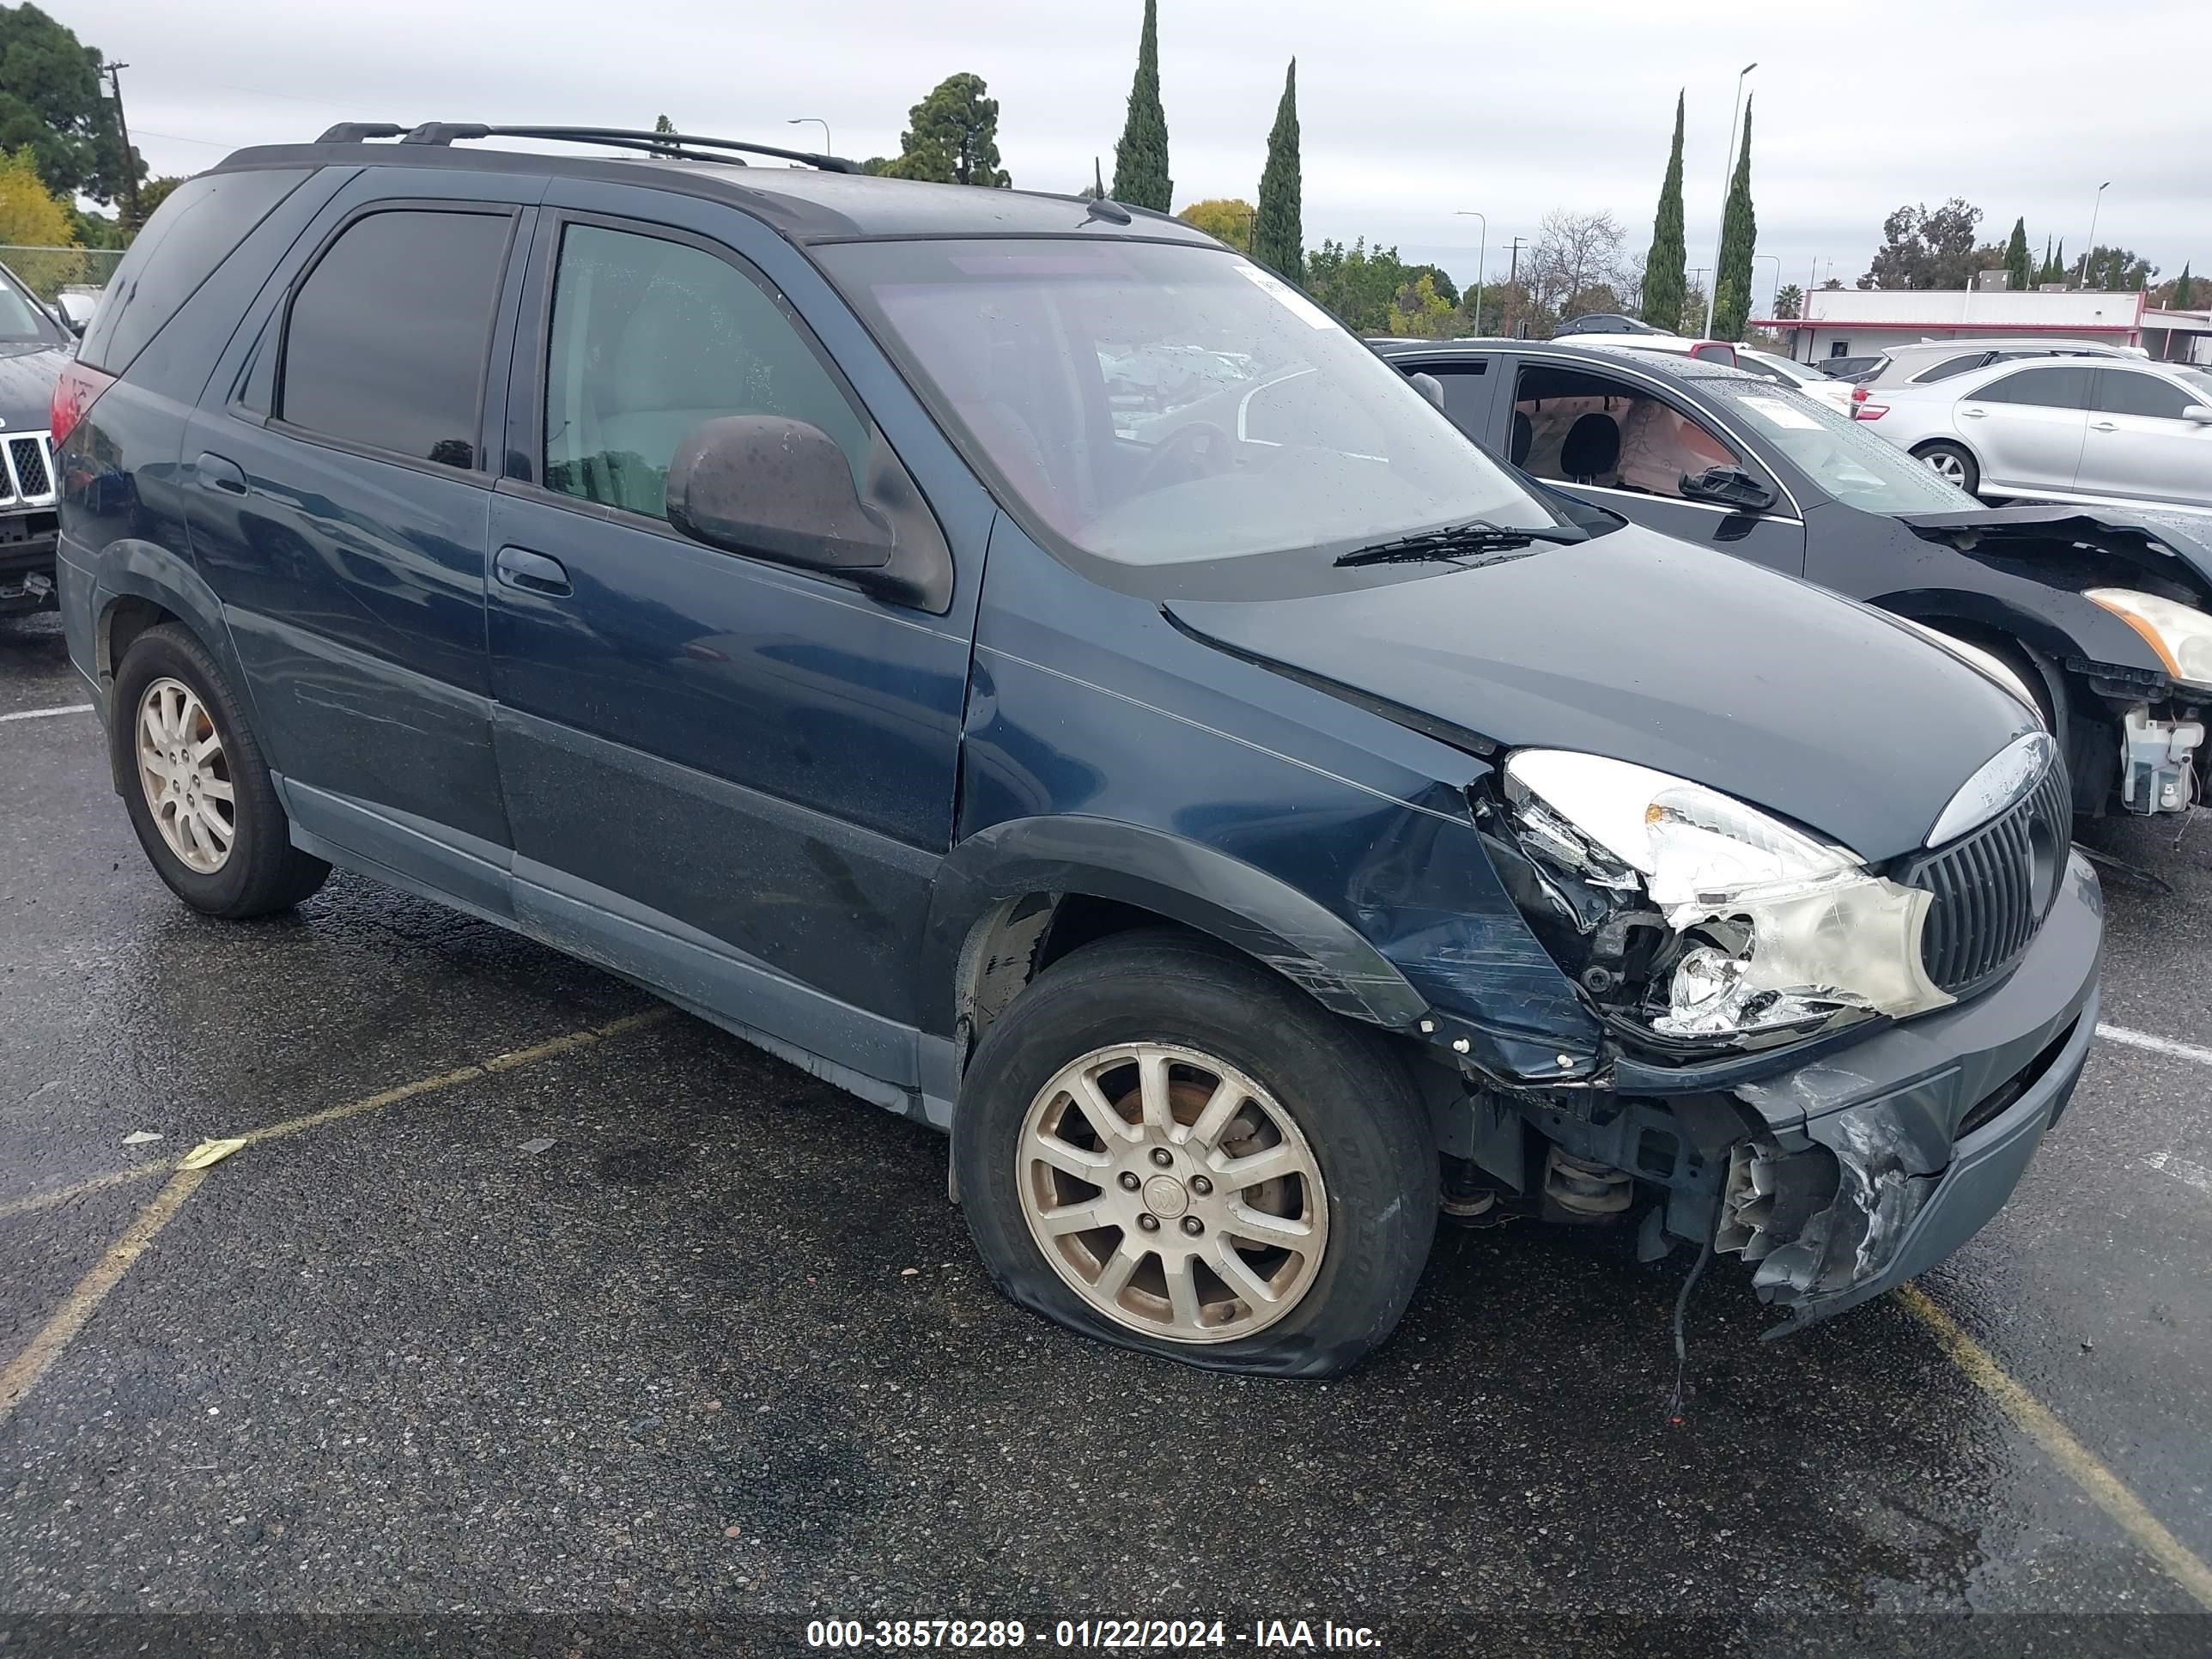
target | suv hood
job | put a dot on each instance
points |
(1640, 647)
(28, 374)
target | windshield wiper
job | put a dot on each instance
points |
(1457, 541)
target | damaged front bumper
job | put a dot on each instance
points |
(1874, 1163)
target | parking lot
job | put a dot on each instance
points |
(528, 1294)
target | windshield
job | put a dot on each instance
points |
(23, 318)
(1839, 454)
(2197, 381)
(1156, 404)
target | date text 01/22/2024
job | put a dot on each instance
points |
(1130, 1634)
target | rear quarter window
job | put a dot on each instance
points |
(188, 237)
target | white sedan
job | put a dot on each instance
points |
(2060, 430)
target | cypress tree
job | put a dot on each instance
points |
(1664, 269)
(2018, 273)
(1739, 236)
(2184, 289)
(2058, 263)
(1140, 160)
(1278, 234)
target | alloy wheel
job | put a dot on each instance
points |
(1947, 466)
(187, 776)
(1172, 1193)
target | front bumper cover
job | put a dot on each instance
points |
(1880, 1160)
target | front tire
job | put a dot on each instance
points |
(1951, 464)
(1163, 1146)
(198, 792)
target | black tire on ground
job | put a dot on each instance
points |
(1349, 1096)
(263, 871)
(1969, 476)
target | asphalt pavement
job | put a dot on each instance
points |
(639, 1323)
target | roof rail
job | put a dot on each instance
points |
(684, 146)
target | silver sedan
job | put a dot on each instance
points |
(2060, 430)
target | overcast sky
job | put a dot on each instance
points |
(1410, 111)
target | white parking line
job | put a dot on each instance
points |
(2155, 1044)
(48, 714)
(2190, 1175)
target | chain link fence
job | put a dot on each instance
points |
(47, 270)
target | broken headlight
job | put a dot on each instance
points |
(1701, 920)
(2180, 635)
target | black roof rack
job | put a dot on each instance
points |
(678, 146)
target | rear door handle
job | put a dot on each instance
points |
(223, 474)
(1973, 414)
(2106, 426)
(534, 573)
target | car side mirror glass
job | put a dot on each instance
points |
(1727, 486)
(2200, 413)
(1429, 387)
(782, 490)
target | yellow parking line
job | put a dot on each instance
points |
(2082, 1465)
(24, 1370)
(22, 1373)
(62, 1195)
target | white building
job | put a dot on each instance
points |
(1850, 322)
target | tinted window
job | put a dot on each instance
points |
(650, 338)
(189, 235)
(2119, 392)
(386, 342)
(2052, 387)
(1950, 366)
(1466, 394)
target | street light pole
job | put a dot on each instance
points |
(2095, 203)
(113, 72)
(1774, 292)
(827, 148)
(1728, 177)
(1481, 254)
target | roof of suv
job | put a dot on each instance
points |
(801, 202)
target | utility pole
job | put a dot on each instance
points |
(1727, 182)
(113, 72)
(1513, 284)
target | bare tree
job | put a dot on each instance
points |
(1576, 253)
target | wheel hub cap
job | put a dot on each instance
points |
(186, 776)
(1172, 1193)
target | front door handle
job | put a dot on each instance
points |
(534, 573)
(1973, 414)
(223, 473)
(2106, 426)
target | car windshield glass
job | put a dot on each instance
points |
(1840, 455)
(2197, 381)
(22, 318)
(1156, 404)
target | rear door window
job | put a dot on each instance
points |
(385, 344)
(2054, 386)
(1950, 366)
(191, 233)
(2121, 392)
(650, 338)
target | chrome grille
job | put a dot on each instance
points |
(30, 473)
(1993, 887)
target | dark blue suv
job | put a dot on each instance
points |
(1023, 662)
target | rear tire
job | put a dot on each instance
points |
(1138, 1085)
(1951, 464)
(195, 786)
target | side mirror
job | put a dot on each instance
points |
(781, 489)
(2199, 413)
(1429, 387)
(1727, 486)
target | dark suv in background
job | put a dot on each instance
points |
(1026, 664)
(34, 346)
